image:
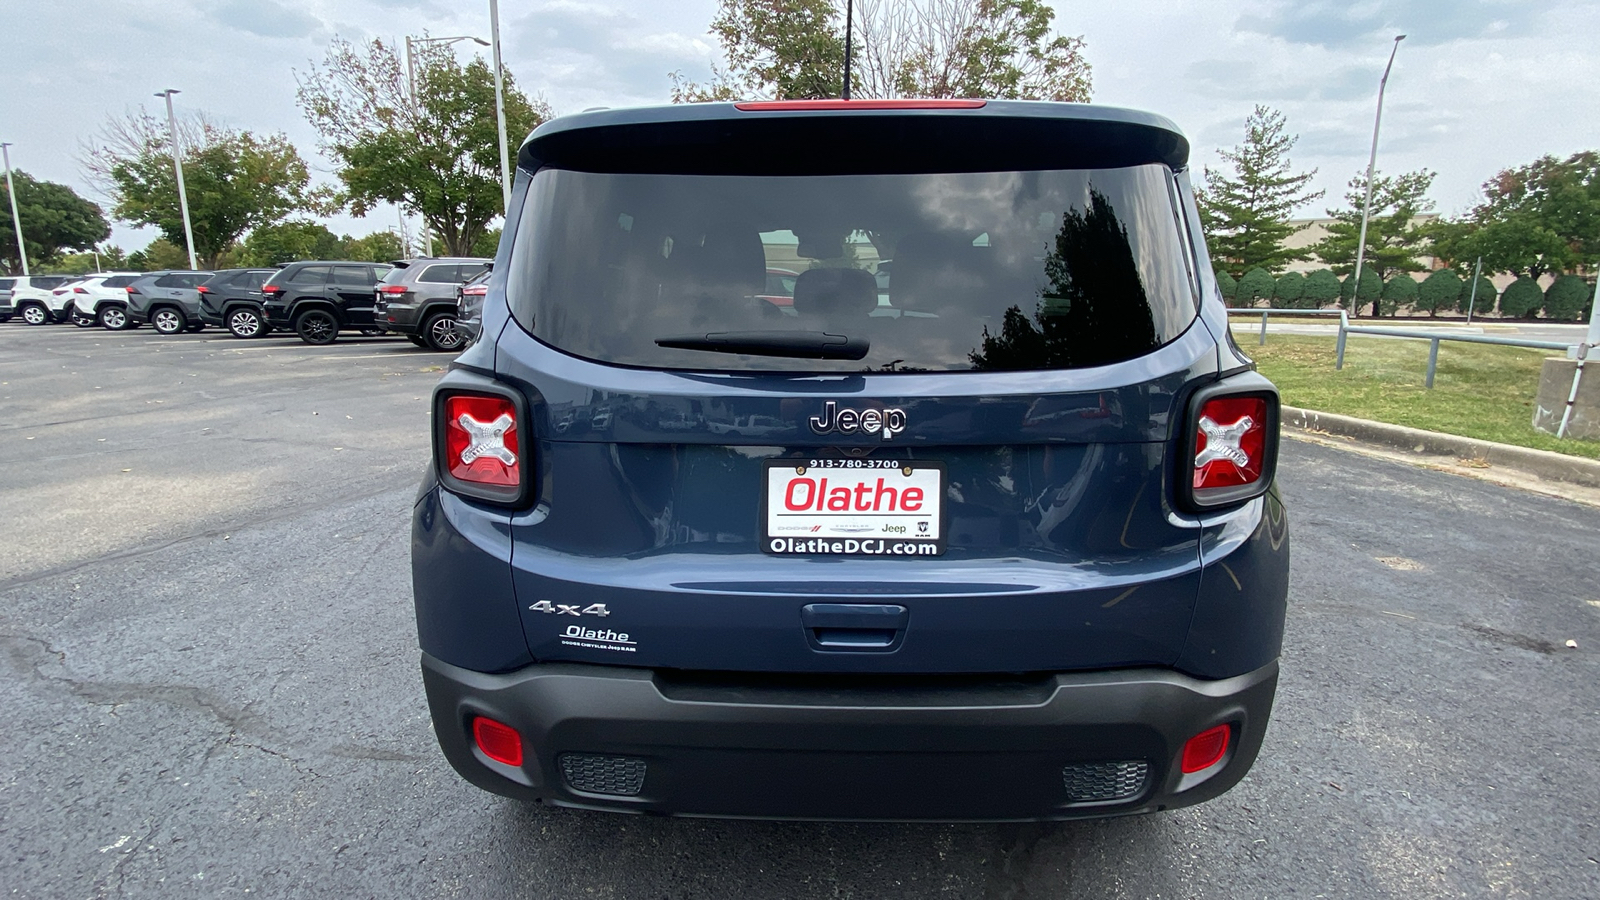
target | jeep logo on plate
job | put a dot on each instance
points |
(886, 423)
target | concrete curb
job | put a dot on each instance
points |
(1538, 463)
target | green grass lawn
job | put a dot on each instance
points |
(1480, 391)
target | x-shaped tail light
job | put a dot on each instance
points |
(1223, 442)
(486, 439)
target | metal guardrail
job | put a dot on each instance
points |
(1345, 329)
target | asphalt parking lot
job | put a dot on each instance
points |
(211, 685)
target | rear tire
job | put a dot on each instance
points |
(114, 318)
(246, 323)
(441, 333)
(167, 320)
(317, 327)
(34, 314)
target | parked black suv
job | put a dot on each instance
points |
(319, 299)
(418, 298)
(232, 298)
(993, 537)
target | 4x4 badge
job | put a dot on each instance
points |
(886, 423)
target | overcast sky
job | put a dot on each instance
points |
(1478, 86)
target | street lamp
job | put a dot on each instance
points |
(500, 107)
(16, 219)
(177, 166)
(1372, 161)
(411, 90)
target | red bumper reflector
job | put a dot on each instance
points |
(1202, 751)
(498, 741)
(781, 105)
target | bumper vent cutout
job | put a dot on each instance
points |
(1104, 782)
(617, 775)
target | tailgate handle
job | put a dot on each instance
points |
(854, 626)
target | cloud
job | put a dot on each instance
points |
(1335, 24)
(589, 53)
(266, 18)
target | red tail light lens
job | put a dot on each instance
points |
(270, 289)
(79, 291)
(481, 443)
(392, 289)
(203, 289)
(1230, 442)
(1204, 750)
(476, 290)
(498, 741)
(131, 289)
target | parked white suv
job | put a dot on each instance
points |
(33, 299)
(104, 299)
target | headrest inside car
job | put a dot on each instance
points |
(835, 293)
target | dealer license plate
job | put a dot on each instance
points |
(853, 507)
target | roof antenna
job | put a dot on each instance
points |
(849, 11)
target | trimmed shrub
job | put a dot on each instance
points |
(1521, 298)
(1568, 298)
(1398, 292)
(1321, 289)
(1257, 284)
(1289, 291)
(1226, 285)
(1438, 291)
(1485, 299)
(1371, 289)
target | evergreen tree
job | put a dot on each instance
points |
(1394, 236)
(1246, 214)
(1226, 285)
(1568, 298)
(1482, 301)
(1521, 298)
(1289, 290)
(1371, 290)
(1439, 291)
(1322, 288)
(1401, 290)
(1257, 284)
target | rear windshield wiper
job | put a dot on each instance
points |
(795, 344)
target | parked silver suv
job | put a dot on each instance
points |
(418, 299)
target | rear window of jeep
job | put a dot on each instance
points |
(938, 272)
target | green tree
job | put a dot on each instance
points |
(379, 246)
(1480, 302)
(1439, 291)
(1398, 292)
(439, 156)
(1521, 298)
(1371, 289)
(488, 245)
(1537, 219)
(1568, 298)
(1246, 214)
(287, 242)
(1227, 286)
(1394, 236)
(794, 49)
(1257, 284)
(159, 254)
(235, 181)
(1290, 290)
(1322, 288)
(111, 258)
(54, 218)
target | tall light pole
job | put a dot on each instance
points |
(500, 106)
(849, 14)
(16, 219)
(1372, 162)
(411, 90)
(177, 166)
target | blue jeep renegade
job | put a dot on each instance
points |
(972, 518)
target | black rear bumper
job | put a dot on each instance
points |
(957, 749)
